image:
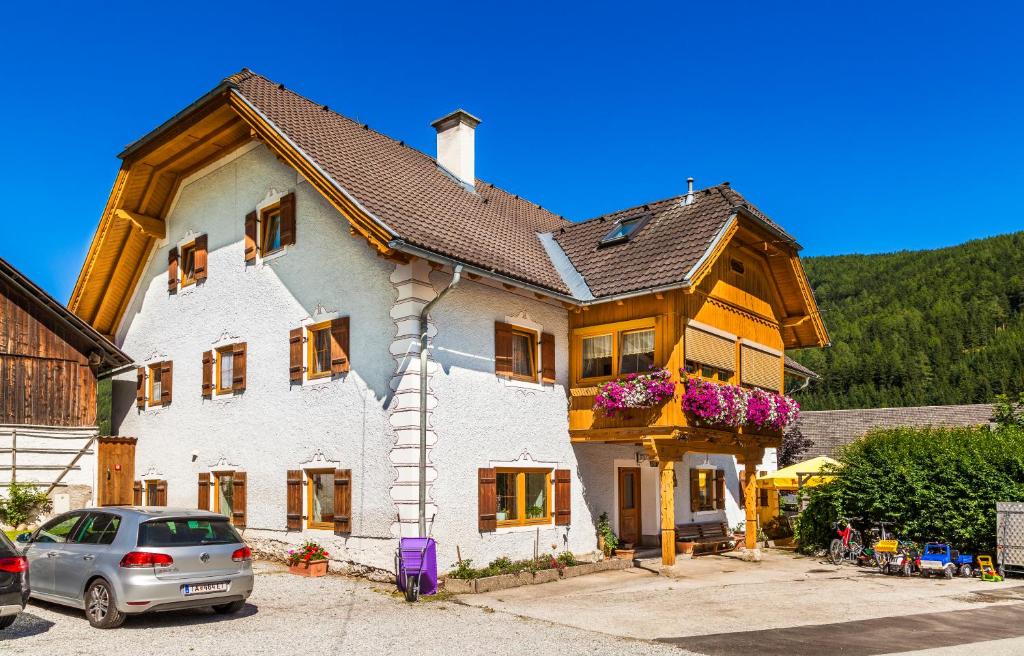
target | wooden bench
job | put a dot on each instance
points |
(709, 536)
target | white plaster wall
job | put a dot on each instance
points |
(78, 485)
(480, 420)
(273, 426)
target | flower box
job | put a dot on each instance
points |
(732, 406)
(310, 568)
(634, 392)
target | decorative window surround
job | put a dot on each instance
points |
(320, 316)
(272, 198)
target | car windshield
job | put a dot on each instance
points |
(185, 532)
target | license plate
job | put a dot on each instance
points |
(203, 588)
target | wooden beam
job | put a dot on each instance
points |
(150, 226)
(666, 476)
(750, 496)
(794, 321)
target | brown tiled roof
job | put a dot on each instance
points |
(829, 430)
(662, 251)
(796, 367)
(407, 190)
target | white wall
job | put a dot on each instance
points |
(273, 426)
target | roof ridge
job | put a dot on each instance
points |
(653, 202)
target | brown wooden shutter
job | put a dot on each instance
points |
(238, 367)
(207, 374)
(172, 270)
(161, 494)
(547, 358)
(720, 489)
(295, 355)
(250, 237)
(166, 376)
(204, 491)
(288, 220)
(694, 490)
(342, 501)
(339, 346)
(238, 499)
(563, 497)
(137, 493)
(502, 350)
(487, 500)
(200, 263)
(294, 497)
(140, 388)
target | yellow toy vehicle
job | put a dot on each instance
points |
(988, 571)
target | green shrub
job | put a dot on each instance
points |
(567, 559)
(604, 530)
(23, 505)
(933, 484)
(778, 528)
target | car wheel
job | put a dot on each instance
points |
(7, 621)
(948, 572)
(966, 571)
(100, 608)
(230, 608)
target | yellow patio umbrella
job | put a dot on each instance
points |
(788, 478)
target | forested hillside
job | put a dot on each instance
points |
(919, 327)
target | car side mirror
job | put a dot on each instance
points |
(24, 538)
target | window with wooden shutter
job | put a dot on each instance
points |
(339, 346)
(294, 500)
(238, 500)
(156, 384)
(238, 356)
(250, 237)
(137, 493)
(161, 494)
(172, 270)
(547, 358)
(288, 220)
(187, 264)
(295, 355)
(720, 489)
(207, 374)
(342, 501)
(166, 378)
(709, 348)
(487, 505)
(203, 502)
(140, 388)
(318, 350)
(760, 368)
(563, 497)
(515, 352)
(694, 490)
(502, 350)
(201, 259)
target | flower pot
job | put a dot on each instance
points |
(625, 554)
(686, 548)
(309, 568)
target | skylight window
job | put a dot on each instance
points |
(624, 229)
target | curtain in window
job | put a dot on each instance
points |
(637, 351)
(522, 359)
(597, 356)
(227, 360)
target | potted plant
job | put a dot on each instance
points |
(627, 552)
(685, 547)
(606, 539)
(308, 560)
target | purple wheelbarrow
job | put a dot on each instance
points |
(416, 567)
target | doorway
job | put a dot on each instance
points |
(629, 505)
(115, 465)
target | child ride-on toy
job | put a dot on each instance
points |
(988, 572)
(940, 559)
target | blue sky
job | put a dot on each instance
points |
(861, 128)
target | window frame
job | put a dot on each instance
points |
(534, 339)
(310, 524)
(583, 338)
(153, 372)
(149, 486)
(522, 519)
(311, 372)
(638, 223)
(616, 329)
(264, 229)
(712, 488)
(622, 335)
(185, 280)
(215, 497)
(700, 373)
(218, 371)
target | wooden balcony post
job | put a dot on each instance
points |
(750, 495)
(666, 476)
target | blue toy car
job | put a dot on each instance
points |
(940, 559)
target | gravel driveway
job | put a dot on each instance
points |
(332, 615)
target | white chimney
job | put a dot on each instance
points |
(689, 192)
(455, 144)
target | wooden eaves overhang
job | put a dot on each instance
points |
(152, 169)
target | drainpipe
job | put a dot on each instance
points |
(424, 313)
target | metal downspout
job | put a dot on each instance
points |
(424, 313)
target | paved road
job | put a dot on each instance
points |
(870, 637)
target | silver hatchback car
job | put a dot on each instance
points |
(117, 561)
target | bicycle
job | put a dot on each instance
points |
(849, 545)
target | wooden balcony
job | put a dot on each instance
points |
(667, 421)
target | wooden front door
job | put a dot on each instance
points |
(629, 505)
(115, 471)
